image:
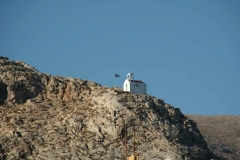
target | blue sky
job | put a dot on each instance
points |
(188, 52)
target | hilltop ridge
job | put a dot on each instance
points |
(52, 117)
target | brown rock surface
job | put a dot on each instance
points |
(222, 134)
(51, 117)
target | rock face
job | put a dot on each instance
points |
(222, 134)
(51, 117)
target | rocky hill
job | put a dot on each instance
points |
(222, 134)
(52, 117)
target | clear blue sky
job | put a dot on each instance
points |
(188, 52)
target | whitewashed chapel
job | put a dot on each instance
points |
(134, 86)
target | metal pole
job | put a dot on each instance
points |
(134, 139)
(126, 140)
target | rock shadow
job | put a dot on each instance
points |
(3, 92)
(21, 91)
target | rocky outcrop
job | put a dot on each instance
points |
(222, 134)
(51, 117)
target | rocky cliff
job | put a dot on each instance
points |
(52, 117)
(222, 134)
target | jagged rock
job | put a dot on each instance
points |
(52, 117)
(3, 92)
(3, 58)
(22, 90)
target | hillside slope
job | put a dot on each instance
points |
(222, 134)
(52, 117)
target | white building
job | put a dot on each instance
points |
(134, 86)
